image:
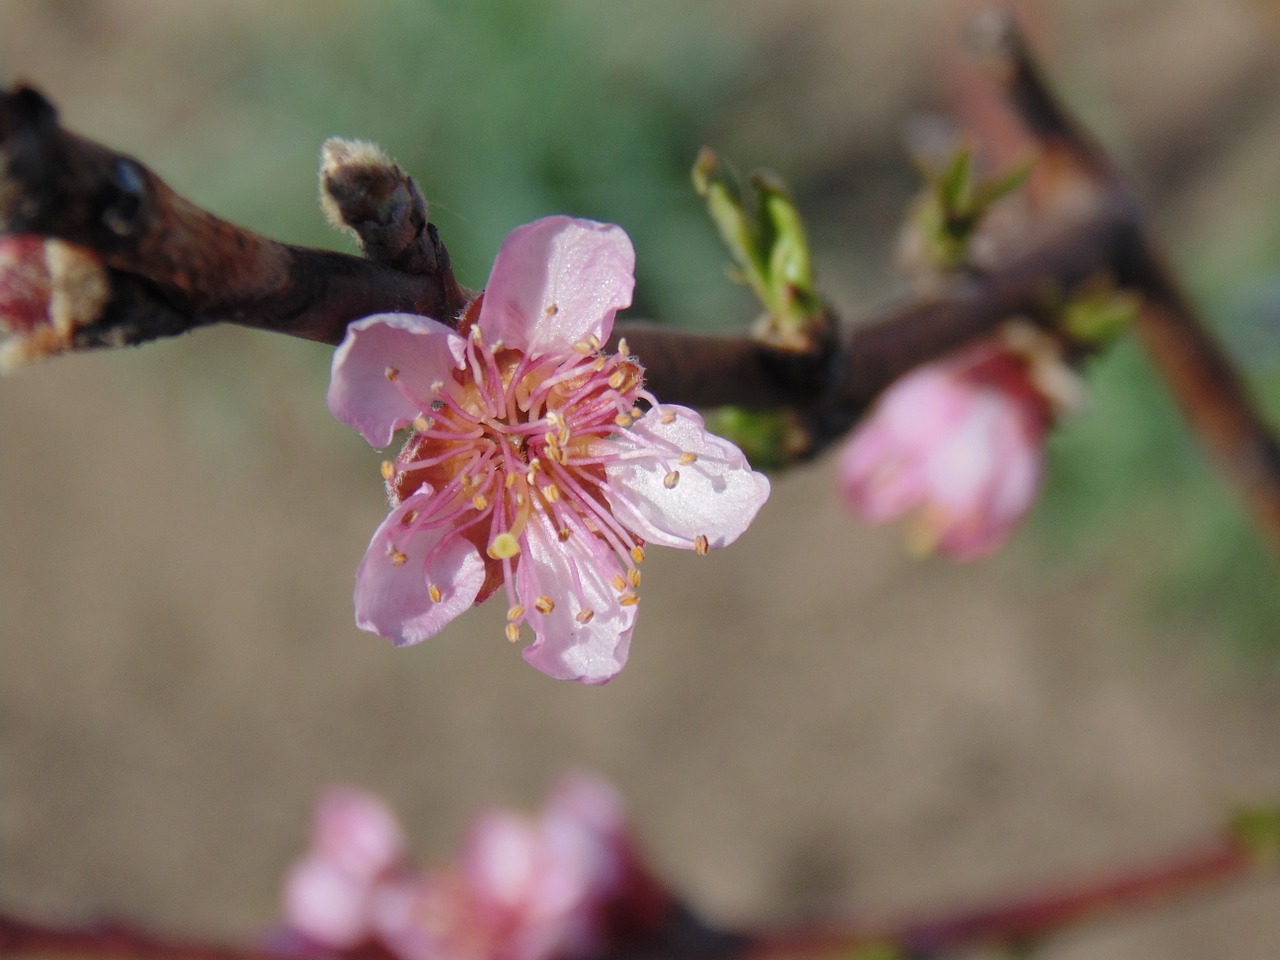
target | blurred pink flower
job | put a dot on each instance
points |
(530, 464)
(959, 442)
(563, 885)
(356, 847)
(49, 290)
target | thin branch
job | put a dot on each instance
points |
(1024, 921)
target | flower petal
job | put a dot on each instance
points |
(392, 585)
(716, 495)
(557, 281)
(357, 833)
(575, 576)
(326, 904)
(362, 394)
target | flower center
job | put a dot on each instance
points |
(508, 440)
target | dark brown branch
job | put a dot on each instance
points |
(173, 265)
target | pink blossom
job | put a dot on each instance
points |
(356, 848)
(565, 884)
(536, 461)
(961, 443)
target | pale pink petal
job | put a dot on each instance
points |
(356, 833)
(557, 281)
(392, 596)
(576, 576)
(418, 350)
(717, 495)
(326, 904)
(880, 477)
(501, 858)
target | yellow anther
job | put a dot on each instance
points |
(628, 599)
(563, 534)
(535, 465)
(477, 337)
(513, 632)
(701, 544)
(398, 559)
(584, 347)
(617, 379)
(623, 349)
(584, 615)
(549, 438)
(510, 481)
(438, 385)
(688, 458)
(671, 479)
(623, 420)
(521, 500)
(637, 413)
(408, 517)
(388, 470)
(552, 493)
(515, 612)
(637, 553)
(391, 373)
(466, 480)
(421, 424)
(480, 501)
(504, 546)
(544, 604)
(433, 592)
(598, 364)
(618, 582)
(633, 577)
(552, 309)
(668, 415)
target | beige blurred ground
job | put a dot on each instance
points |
(811, 724)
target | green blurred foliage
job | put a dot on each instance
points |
(506, 112)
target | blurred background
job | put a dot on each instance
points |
(812, 724)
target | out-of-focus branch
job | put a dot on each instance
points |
(1197, 372)
(1025, 921)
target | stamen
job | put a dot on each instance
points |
(617, 379)
(584, 615)
(515, 612)
(398, 559)
(633, 577)
(628, 599)
(505, 546)
(623, 420)
(408, 517)
(563, 534)
(623, 350)
(688, 458)
(552, 309)
(668, 415)
(388, 470)
(701, 544)
(433, 592)
(619, 584)
(513, 632)
(544, 604)
(391, 373)
(423, 424)
(637, 553)
(552, 493)
(671, 479)
(510, 481)
(584, 347)
(480, 501)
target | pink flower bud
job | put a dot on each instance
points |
(959, 443)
